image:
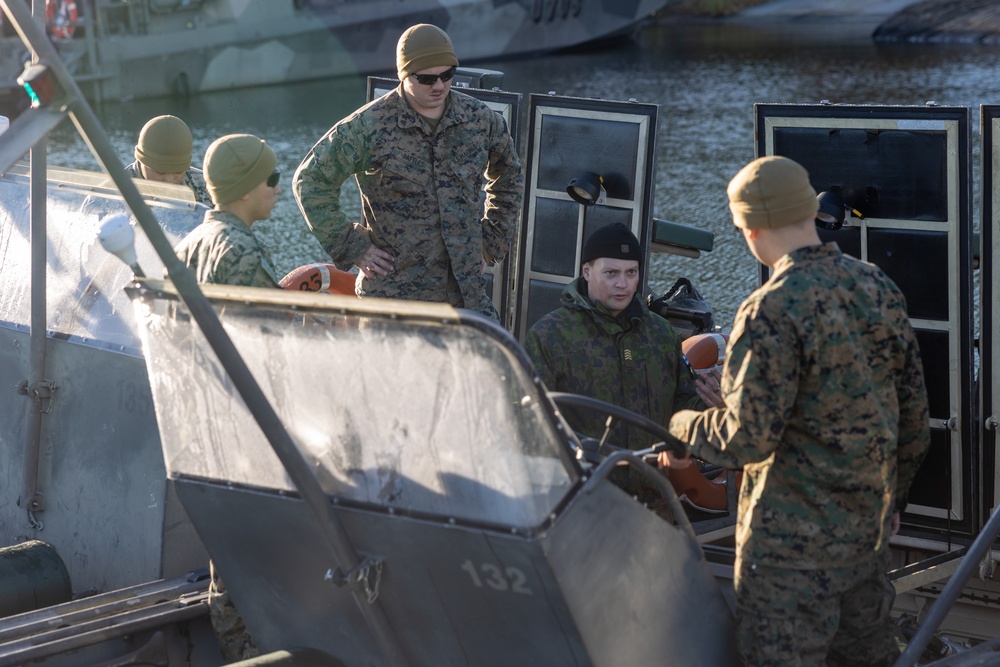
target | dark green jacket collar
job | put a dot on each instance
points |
(575, 297)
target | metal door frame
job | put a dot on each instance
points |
(964, 514)
(540, 107)
(989, 301)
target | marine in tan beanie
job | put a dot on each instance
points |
(423, 125)
(164, 149)
(425, 63)
(237, 166)
(825, 409)
(163, 155)
(771, 191)
(774, 204)
(243, 181)
(421, 47)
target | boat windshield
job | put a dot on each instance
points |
(423, 416)
(85, 300)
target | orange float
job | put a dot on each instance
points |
(319, 278)
(703, 351)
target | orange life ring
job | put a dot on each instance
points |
(319, 278)
(704, 351)
(61, 17)
(707, 495)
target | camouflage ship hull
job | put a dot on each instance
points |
(149, 48)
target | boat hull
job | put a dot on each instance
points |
(99, 478)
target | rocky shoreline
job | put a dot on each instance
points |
(922, 21)
(943, 21)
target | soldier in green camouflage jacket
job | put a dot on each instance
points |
(604, 342)
(243, 182)
(826, 412)
(163, 154)
(420, 155)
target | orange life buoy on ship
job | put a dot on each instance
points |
(61, 17)
(704, 351)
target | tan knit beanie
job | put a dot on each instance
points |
(235, 164)
(423, 46)
(771, 191)
(165, 145)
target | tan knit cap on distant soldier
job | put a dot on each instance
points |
(165, 145)
(771, 191)
(421, 47)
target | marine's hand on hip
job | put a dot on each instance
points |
(375, 262)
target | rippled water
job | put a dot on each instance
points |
(706, 79)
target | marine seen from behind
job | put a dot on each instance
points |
(825, 409)
(422, 155)
(243, 183)
(163, 154)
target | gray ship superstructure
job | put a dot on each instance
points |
(148, 48)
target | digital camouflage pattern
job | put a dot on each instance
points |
(826, 412)
(633, 361)
(832, 617)
(223, 250)
(193, 178)
(421, 192)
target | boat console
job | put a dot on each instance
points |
(443, 465)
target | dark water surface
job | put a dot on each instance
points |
(705, 77)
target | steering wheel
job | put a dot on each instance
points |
(669, 442)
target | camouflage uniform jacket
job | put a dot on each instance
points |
(633, 361)
(223, 250)
(193, 178)
(421, 190)
(826, 411)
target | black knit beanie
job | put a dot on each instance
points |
(615, 241)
